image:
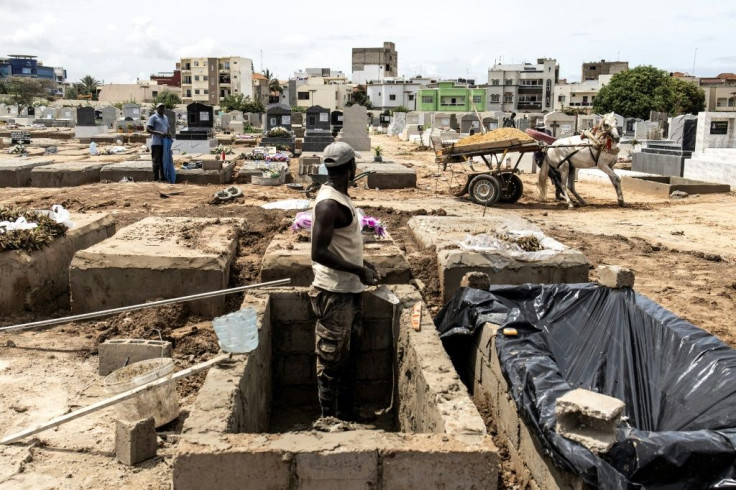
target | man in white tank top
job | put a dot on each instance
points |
(340, 274)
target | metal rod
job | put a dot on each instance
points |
(123, 309)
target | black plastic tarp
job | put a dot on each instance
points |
(678, 382)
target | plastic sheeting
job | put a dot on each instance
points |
(169, 170)
(678, 382)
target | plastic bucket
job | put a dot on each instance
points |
(161, 402)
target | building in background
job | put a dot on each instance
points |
(20, 65)
(170, 78)
(720, 92)
(319, 86)
(391, 93)
(594, 69)
(522, 87)
(142, 92)
(375, 64)
(578, 95)
(209, 80)
(451, 96)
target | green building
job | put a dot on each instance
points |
(448, 97)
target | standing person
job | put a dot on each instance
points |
(510, 122)
(340, 274)
(158, 127)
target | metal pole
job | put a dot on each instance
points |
(123, 309)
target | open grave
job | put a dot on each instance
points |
(252, 419)
(66, 174)
(557, 263)
(39, 280)
(156, 258)
(289, 255)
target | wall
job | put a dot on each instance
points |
(124, 92)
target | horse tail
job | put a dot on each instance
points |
(542, 182)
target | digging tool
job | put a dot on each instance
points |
(123, 309)
(114, 400)
(166, 195)
(385, 294)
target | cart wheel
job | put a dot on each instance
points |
(511, 187)
(485, 190)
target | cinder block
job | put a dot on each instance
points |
(293, 337)
(355, 468)
(589, 418)
(113, 353)
(615, 276)
(375, 365)
(231, 471)
(544, 472)
(375, 308)
(377, 334)
(508, 418)
(413, 469)
(136, 441)
(295, 370)
(291, 307)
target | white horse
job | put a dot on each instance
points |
(597, 147)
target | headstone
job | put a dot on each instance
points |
(236, 115)
(278, 115)
(86, 116)
(69, 113)
(441, 121)
(297, 118)
(355, 130)
(468, 122)
(200, 116)
(560, 124)
(412, 118)
(715, 149)
(49, 113)
(490, 123)
(132, 111)
(661, 119)
(586, 121)
(318, 134)
(225, 120)
(683, 130)
(109, 115)
(522, 124)
(397, 124)
(454, 125)
(647, 130)
(171, 115)
(337, 118)
(31, 111)
(318, 118)
(619, 123)
(630, 125)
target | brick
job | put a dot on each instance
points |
(415, 469)
(231, 471)
(113, 353)
(589, 418)
(354, 469)
(136, 441)
(615, 276)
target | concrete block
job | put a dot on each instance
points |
(156, 258)
(376, 334)
(508, 418)
(476, 280)
(375, 308)
(68, 174)
(16, 172)
(388, 175)
(375, 365)
(541, 468)
(202, 176)
(269, 469)
(212, 165)
(136, 441)
(113, 353)
(615, 276)
(293, 337)
(589, 418)
(291, 307)
(352, 469)
(295, 370)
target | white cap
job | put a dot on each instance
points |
(337, 154)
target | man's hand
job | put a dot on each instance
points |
(369, 276)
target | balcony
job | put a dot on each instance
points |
(529, 106)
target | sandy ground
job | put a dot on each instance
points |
(680, 250)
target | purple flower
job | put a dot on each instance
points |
(303, 221)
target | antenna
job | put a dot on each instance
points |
(261, 61)
(695, 56)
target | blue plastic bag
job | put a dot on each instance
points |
(169, 170)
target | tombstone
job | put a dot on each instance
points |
(412, 118)
(468, 122)
(297, 118)
(171, 116)
(397, 124)
(31, 111)
(109, 115)
(132, 111)
(49, 113)
(440, 121)
(522, 124)
(560, 124)
(682, 131)
(647, 130)
(278, 115)
(619, 123)
(667, 157)
(198, 134)
(490, 123)
(225, 120)
(254, 119)
(336, 122)
(630, 125)
(454, 125)
(236, 115)
(661, 119)
(318, 134)
(86, 116)
(586, 121)
(354, 130)
(715, 149)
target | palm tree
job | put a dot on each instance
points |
(267, 73)
(88, 85)
(275, 86)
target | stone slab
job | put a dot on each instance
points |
(193, 146)
(651, 163)
(135, 442)
(138, 170)
(615, 276)
(445, 233)
(114, 354)
(67, 174)
(389, 175)
(664, 186)
(156, 258)
(203, 177)
(16, 172)
(89, 131)
(711, 169)
(287, 257)
(588, 418)
(39, 280)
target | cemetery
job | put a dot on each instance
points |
(446, 406)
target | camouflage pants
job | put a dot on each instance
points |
(338, 336)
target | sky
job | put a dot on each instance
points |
(119, 42)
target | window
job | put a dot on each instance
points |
(411, 96)
(476, 99)
(392, 97)
(189, 92)
(25, 71)
(508, 97)
(508, 81)
(204, 78)
(196, 78)
(154, 94)
(302, 95)
(721, 102)
(196, 91)
(196, 63)
(731, 102)
(427, 99)
(592, 68)
(206, 91)
(452, 101)
(585, 100)
(560, 98)
(495, 82)
(495, 98)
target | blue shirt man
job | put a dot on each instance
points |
(158, 127)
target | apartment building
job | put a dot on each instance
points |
(21, 65)
(578, 95)
(374, 64)
(209, 80)
(451, 96)
(594, 69)
(522, 87)
(319, 86)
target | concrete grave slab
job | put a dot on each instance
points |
(156, 258)
(444, 233)
(68, 174)
(39, 280)
(289, 255)
(664, 186)
(138, 170)
(389, 175)
(201, 176)
(16, 172)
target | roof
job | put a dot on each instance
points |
(258, 76)
(727, 76)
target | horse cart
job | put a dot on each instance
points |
(492, 184)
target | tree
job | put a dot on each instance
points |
(23, 90)
(88, 86)
(71, 93)
(239, 102)
(687, 98)
(636, 92)
(275, 86)
(267, 73)
(360, 97)
(167, 98)
(401, 108)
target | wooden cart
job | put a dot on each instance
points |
(492, 185)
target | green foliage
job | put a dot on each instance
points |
(377, 151)
(88, 86)
(167, 98)
(239, 102)
(636, 92)
(401, 108)
(71, 93)
(296, 108)
(275, 86)
(360, 97)
(119, 105)
(23, 90)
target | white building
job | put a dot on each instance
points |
(375, 64)
(392, 93)
(211, 79)
(578, 95)
(522, 87)
(319, 86)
